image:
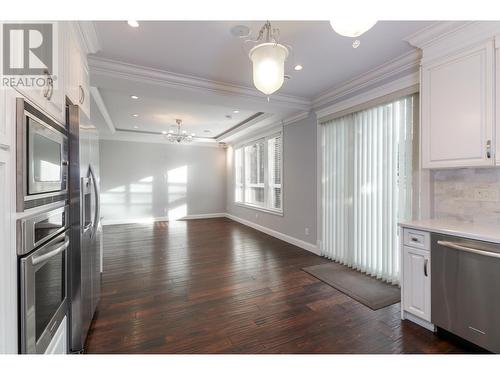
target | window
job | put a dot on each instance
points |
(258, 174)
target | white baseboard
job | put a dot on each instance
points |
(146, 220)
(204, 216)
(284, 237)
(421, 322)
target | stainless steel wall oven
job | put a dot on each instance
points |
(43, 243)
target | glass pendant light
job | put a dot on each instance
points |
(268, 59)
(352, 27)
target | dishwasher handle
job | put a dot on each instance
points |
(453, 245)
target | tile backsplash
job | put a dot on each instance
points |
(470, 194)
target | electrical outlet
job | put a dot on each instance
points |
(307, 231)
(486, 195)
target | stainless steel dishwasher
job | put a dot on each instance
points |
(465, 289)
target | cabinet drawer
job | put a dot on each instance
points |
(416, 238)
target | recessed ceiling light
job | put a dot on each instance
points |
(164, 132)
(192, 134)
(134, 97)
(135, 115)
(133, 23)
(298, 67)
(236, 111)
(136, 127)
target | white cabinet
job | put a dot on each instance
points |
(50, 98)
(77, 74)
(417, 286)
(416, 276)
(457, 96)
(59, 343)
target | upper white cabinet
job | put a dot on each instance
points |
(50, 97)
(77, 75)
(457, 96)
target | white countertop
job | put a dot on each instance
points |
(482, 232)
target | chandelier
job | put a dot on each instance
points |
(179, 136)
(268, 59)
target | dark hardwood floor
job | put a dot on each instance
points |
(216, 286)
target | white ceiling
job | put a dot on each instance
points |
(156, 114)
(206, 51)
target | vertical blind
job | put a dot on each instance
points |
(258, 173)
(366, 186)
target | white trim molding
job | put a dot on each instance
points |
(149, 220)
(131, 136)
(447, 37)
(94, 91)
(284, 237)
(385, 72)
(88, 36)
(120, 70)
(409, 82)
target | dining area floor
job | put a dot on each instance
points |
(217, 286)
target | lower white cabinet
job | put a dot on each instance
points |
(416, 277)
(417, 282)
(59, 343)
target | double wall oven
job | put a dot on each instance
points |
(42, 227)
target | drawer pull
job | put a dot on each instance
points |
(425, 267)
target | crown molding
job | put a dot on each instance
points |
(94, 91)
(299, 116)
(451, 36)
(391, 69)
(126, 136)
(88, 36)
(262, 128)
(434, 32)
(136, 73)
(409, 82)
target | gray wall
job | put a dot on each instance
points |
(153, 180)
(299, 185)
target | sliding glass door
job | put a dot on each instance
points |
(366, 186)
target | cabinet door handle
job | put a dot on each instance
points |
(425, 267)
(488, 149)
(49, 87)
(82, 94)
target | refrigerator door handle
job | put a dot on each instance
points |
(97, 214)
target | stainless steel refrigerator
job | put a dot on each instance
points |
(85, 257)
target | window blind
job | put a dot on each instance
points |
(366, 186)
(258, 173)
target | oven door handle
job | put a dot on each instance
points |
(42, 258)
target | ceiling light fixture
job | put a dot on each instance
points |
(133, 23)
(351, 28)
(236, 111)
(298, 67)
(180, 136)
(164, 132)
(268, 59)
(135, 115)
(134, 97)
(136, 127)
